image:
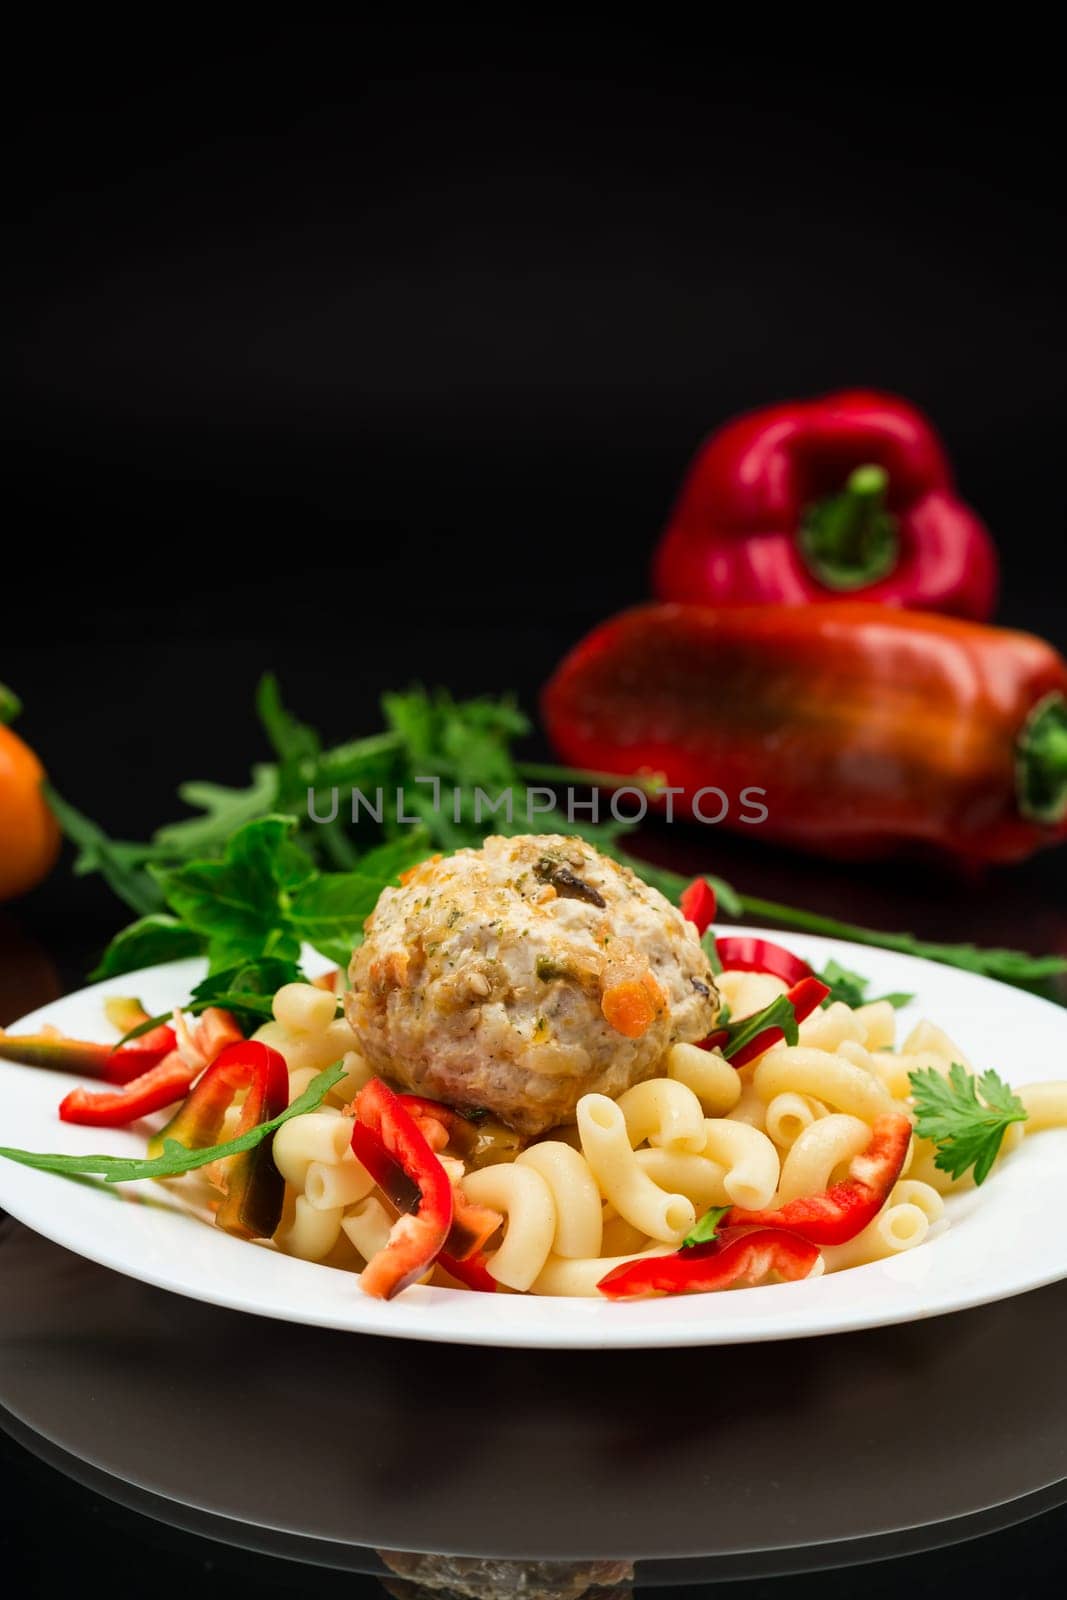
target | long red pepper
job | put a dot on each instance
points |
(850, 493)
(850, 730)
(837, 1215)
(704, 1267)
(113, 1108)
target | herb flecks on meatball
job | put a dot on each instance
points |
(520, 976)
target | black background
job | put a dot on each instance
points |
(375, 354)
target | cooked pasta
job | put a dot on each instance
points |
(621, 1180)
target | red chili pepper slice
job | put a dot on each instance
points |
(386, 1135)
(748, 1260)
(114, 1108)
(804, 997)
(697, 904)
(838, 1214)
(254, 1187)
(471, 1225)
(473, 1272)
(84, 1059)
(742, 953)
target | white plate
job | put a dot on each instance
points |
(1005, 1238)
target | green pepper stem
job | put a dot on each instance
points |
(850, 540)
(1041, 762)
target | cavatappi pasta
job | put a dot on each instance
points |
(634, 1175)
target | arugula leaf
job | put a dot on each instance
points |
(147, 942)
(851, 988)
(968, 1132)
(224, 811)
(176, 1158)
(707, 1228)
(241, 903)
(710, 949)
(779, 1014)
(113, 860)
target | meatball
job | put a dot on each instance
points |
(518, 977)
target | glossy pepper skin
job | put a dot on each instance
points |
(81, 1057)
(391, 1145)
(699, 1269)
(838, 1214)
(760, 517)
(863, 731)
(254, 1188)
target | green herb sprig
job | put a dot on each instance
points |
(967, 1131)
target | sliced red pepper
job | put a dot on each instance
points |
(741, 953)
(84, 1059)
(697, 904)
(113, 1108)
(839, 1213)
(197, 1048)
(805, 997)
(384, 1136)
(703, 1267)
(471, 1225)
(473, 1272)
(457, 1129)
(254, 1187)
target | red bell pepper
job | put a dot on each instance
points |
(197, 1047)
(158, 1087)
(253, 1185)
(439, 1125)
(837, 1215)
(851, 493)
(698, 1268)
(385, 1136)
(84, 1059)
(740, 953)
(697, 904)
(848, 729)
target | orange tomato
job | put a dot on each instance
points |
(29, 833)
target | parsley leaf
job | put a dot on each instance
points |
(176, 1158)
(707, 1228)
(967, 1131)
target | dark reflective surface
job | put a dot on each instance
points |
(685, 1461)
